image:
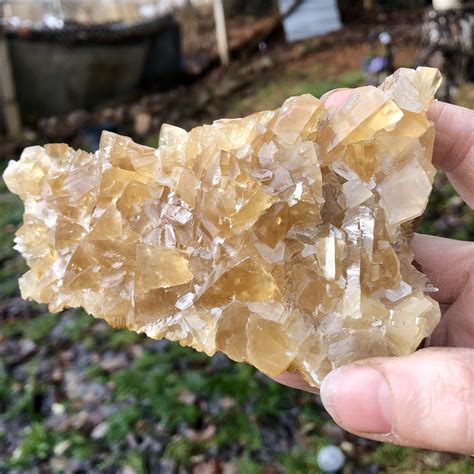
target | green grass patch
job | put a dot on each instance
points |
(393, 457)
(81, 447)
(119, 338)
(37, 445)
(6, 245)
(11, 209)
(461, 466)
(77, 328)
(121, 423)
(134, 460)
(300, 460)
(239, 428)
(38, 327)
(271, 94)
(246, 465)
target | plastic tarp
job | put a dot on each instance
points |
(311, 18)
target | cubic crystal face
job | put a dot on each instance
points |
(281, 239)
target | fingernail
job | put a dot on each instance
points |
(335, 97)
(359, 399)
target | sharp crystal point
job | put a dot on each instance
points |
(281, 239)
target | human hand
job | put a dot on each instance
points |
(425, 399)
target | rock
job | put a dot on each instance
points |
(331, 430)
(226, 403)
(128, 470)
(281, 239)
(25, 349)
(61, 447)
(209, 467)
(347, 447)
(166, 466)
(432, 460)
(202, 435)
(229, 468)
(187, 397)
(77, 388)
(77, 466)
(58, 409)
(14, 308)
(331, 459)
(100, 430)
(111, 363)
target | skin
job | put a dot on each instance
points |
(426, 399)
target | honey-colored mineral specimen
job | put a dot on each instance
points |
(281, 239)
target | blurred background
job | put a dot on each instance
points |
(79, 397)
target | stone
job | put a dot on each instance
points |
(281, 239)
(331, 459)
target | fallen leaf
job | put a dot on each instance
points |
(203, 435)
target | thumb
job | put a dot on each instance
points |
(423, 400)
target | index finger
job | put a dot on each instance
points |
(454, 141)
(454, 146)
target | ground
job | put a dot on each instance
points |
(78, 396)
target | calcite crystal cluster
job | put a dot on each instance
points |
(281, 239)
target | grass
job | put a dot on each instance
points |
(465, 95)
(37, 445)
(446, 214)
(270, 94)
(157, 406)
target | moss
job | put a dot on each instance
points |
(76, 329)
(121, 423)
(39, 327)
(6, 390)
(96, 372)
(246, 465)
(271, 94)
(81, 447)
(462, 466)
(300, 460)
(181, 450)
(134, 460)
(238, 428)
(119, 338)
(36, 445)
(394, 457)
(11, 209)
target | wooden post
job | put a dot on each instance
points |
(7, 91)
(221, 33)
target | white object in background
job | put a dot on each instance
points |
(148, 10)
(446, 4)
(385, 38)
(221, 32)
(311, 18)
(331, 459)
(53, 22)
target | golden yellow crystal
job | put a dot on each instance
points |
(281, 239)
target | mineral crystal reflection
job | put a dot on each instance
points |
(281, 239)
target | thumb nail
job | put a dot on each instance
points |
(336, 97)
(359, 399)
